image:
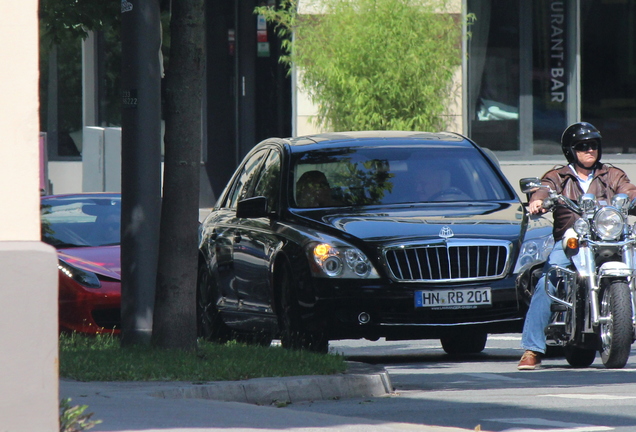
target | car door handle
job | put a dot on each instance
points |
(237, 237)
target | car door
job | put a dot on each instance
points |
(224, 231)
(255, 243)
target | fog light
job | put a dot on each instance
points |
(364, 318)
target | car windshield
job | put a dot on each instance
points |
(394, 175)
(81, 221)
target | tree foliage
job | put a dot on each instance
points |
(65, 20)
(373, 64)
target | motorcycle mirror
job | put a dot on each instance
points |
(587, 202)
(530, 184)
(621, 201)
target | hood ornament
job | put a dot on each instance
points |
(446, 232)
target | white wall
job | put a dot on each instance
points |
(28, 286)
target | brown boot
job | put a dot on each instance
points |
(530, 360)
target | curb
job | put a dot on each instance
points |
(360, 380)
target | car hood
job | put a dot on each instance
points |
(103, 260)
(473, 220)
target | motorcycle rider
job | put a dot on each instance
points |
(581, 144)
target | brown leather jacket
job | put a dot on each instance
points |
(607, 182)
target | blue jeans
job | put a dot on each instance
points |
(538, 316)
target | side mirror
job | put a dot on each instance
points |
(530, 184)
(255, 207)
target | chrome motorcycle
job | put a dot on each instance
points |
(593, 305)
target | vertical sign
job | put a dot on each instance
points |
(557, 51)
(261, 37)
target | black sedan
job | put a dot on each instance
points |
(401, 235)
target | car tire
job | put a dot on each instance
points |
(292, 333)
(210, 325)
(470, 343)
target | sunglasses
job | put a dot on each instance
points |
(585, 146)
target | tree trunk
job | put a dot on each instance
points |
(174, 321)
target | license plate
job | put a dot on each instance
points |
(456, 298)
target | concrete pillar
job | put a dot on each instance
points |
(28, 287)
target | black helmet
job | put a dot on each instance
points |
(578, 132)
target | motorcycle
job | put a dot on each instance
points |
(593, 306)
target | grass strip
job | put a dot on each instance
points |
(101, 358)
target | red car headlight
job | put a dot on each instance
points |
(80, 276)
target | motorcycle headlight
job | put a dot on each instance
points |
(341, 262)
(534, 250)
(608, 223)
(581, 227)
(80, 276)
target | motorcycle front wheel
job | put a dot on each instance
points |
(616, 332)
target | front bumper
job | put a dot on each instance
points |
(355, 309)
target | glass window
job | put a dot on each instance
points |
(493, 74)
(551, 74)
(269, 181)
(245, 181)
(608, 71)
(81, 221)
(394, 175)
(61, 90)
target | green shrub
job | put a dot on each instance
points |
(373, 64)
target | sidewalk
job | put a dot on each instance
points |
(250, 405)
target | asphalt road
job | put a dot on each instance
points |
(487, 390)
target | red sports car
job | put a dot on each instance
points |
(85, 230)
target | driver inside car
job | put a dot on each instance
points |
(585, 173)
(313, 190)
(430, 183)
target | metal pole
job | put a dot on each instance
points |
(141, 166)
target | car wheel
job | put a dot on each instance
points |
(292, 333)
(210, 325)
(470, 343)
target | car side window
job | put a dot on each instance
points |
(246, 179)
(268, 184)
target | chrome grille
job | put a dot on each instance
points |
(455, 261)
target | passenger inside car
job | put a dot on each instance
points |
(313, 190)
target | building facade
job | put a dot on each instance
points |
(529, 70)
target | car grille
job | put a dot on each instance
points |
(452, 261)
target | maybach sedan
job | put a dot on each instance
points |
(401, 235)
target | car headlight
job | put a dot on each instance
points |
(608, 223)
(341, 262)
(80, 276)
(533, 251)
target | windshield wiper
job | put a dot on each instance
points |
(68, 245)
